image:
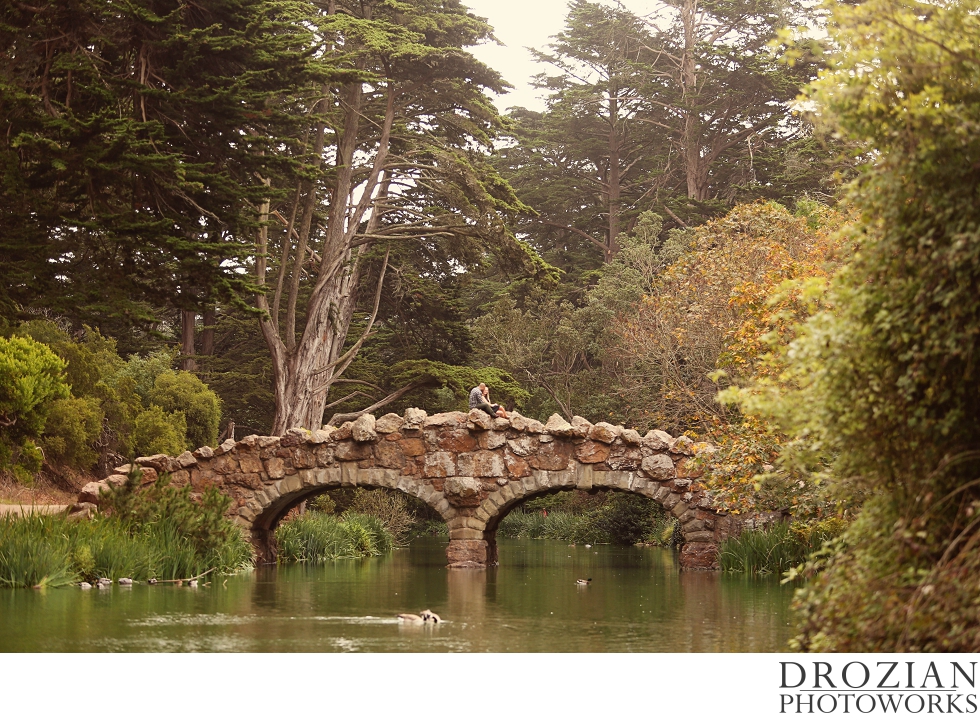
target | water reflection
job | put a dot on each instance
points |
(637, 601)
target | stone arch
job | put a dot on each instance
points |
(291, 490)
(470, 468)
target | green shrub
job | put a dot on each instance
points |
(155, 431)
(31, 378)
(179, 391)
(144, 371)
(72, 426)
(389, 508)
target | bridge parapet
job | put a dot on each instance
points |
(470, 468)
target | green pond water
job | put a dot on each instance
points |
(638, 601)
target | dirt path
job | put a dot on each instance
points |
(26, 509)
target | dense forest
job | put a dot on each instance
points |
(753, 222)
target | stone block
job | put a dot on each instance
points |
(91, 491)
(204, 453)
(583, 478)
(692, 525)
(289, 484)
(630, 436)
(552, 456)
(441, 506)
(517, 421)
(363, 429)
(624, 458)
(662, 493)
(186, 460)
(348, 474)
(319, 437)
(159, 462)
(679, 509)
(481, 464)
(467, 553)
(500, 424)
(492, 440)
(247, 442)
(659, 467)
(534, 426)
(327, 475)
(226, 446)
(580, 427)
(390, 423)
(462, 490)
(324, 456)
(414, 418)
(517, 467)
(523, 445)
(412, 446)
(451, 419)
(700, 555)
(438, 465)
(672, 500)
(351, 450)
(455, 440)
(267, 441)
(699, 536)
(604, 432)
(592, 451)
(389, 454)
(688, 515)
(478, 420)
(343, 433)
(303, 457)
(466, 533)
(465, 522)
(275, 468)
(558, 426)
(180, 478)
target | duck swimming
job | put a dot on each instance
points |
(410, 619)
(583, 582)
(430, 617)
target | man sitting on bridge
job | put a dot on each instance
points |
(480, 399)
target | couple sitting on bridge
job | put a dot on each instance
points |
(480, 399)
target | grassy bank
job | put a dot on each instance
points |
(141, 532)
(39, 551)
(316, 537)
(778, 548)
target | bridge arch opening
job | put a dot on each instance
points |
(262, 529)
(599, 516)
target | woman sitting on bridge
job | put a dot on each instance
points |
(480, 399)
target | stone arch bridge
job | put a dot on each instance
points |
(471, 469)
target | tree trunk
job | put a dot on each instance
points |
(695, 172)
(615, 185)
(187, 353)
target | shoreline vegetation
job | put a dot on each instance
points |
(778, 549)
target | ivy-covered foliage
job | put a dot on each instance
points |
(883, 381)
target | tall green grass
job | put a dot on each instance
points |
(316, 537)
(53, 551)
(776, 549)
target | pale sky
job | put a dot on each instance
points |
(526, 23)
